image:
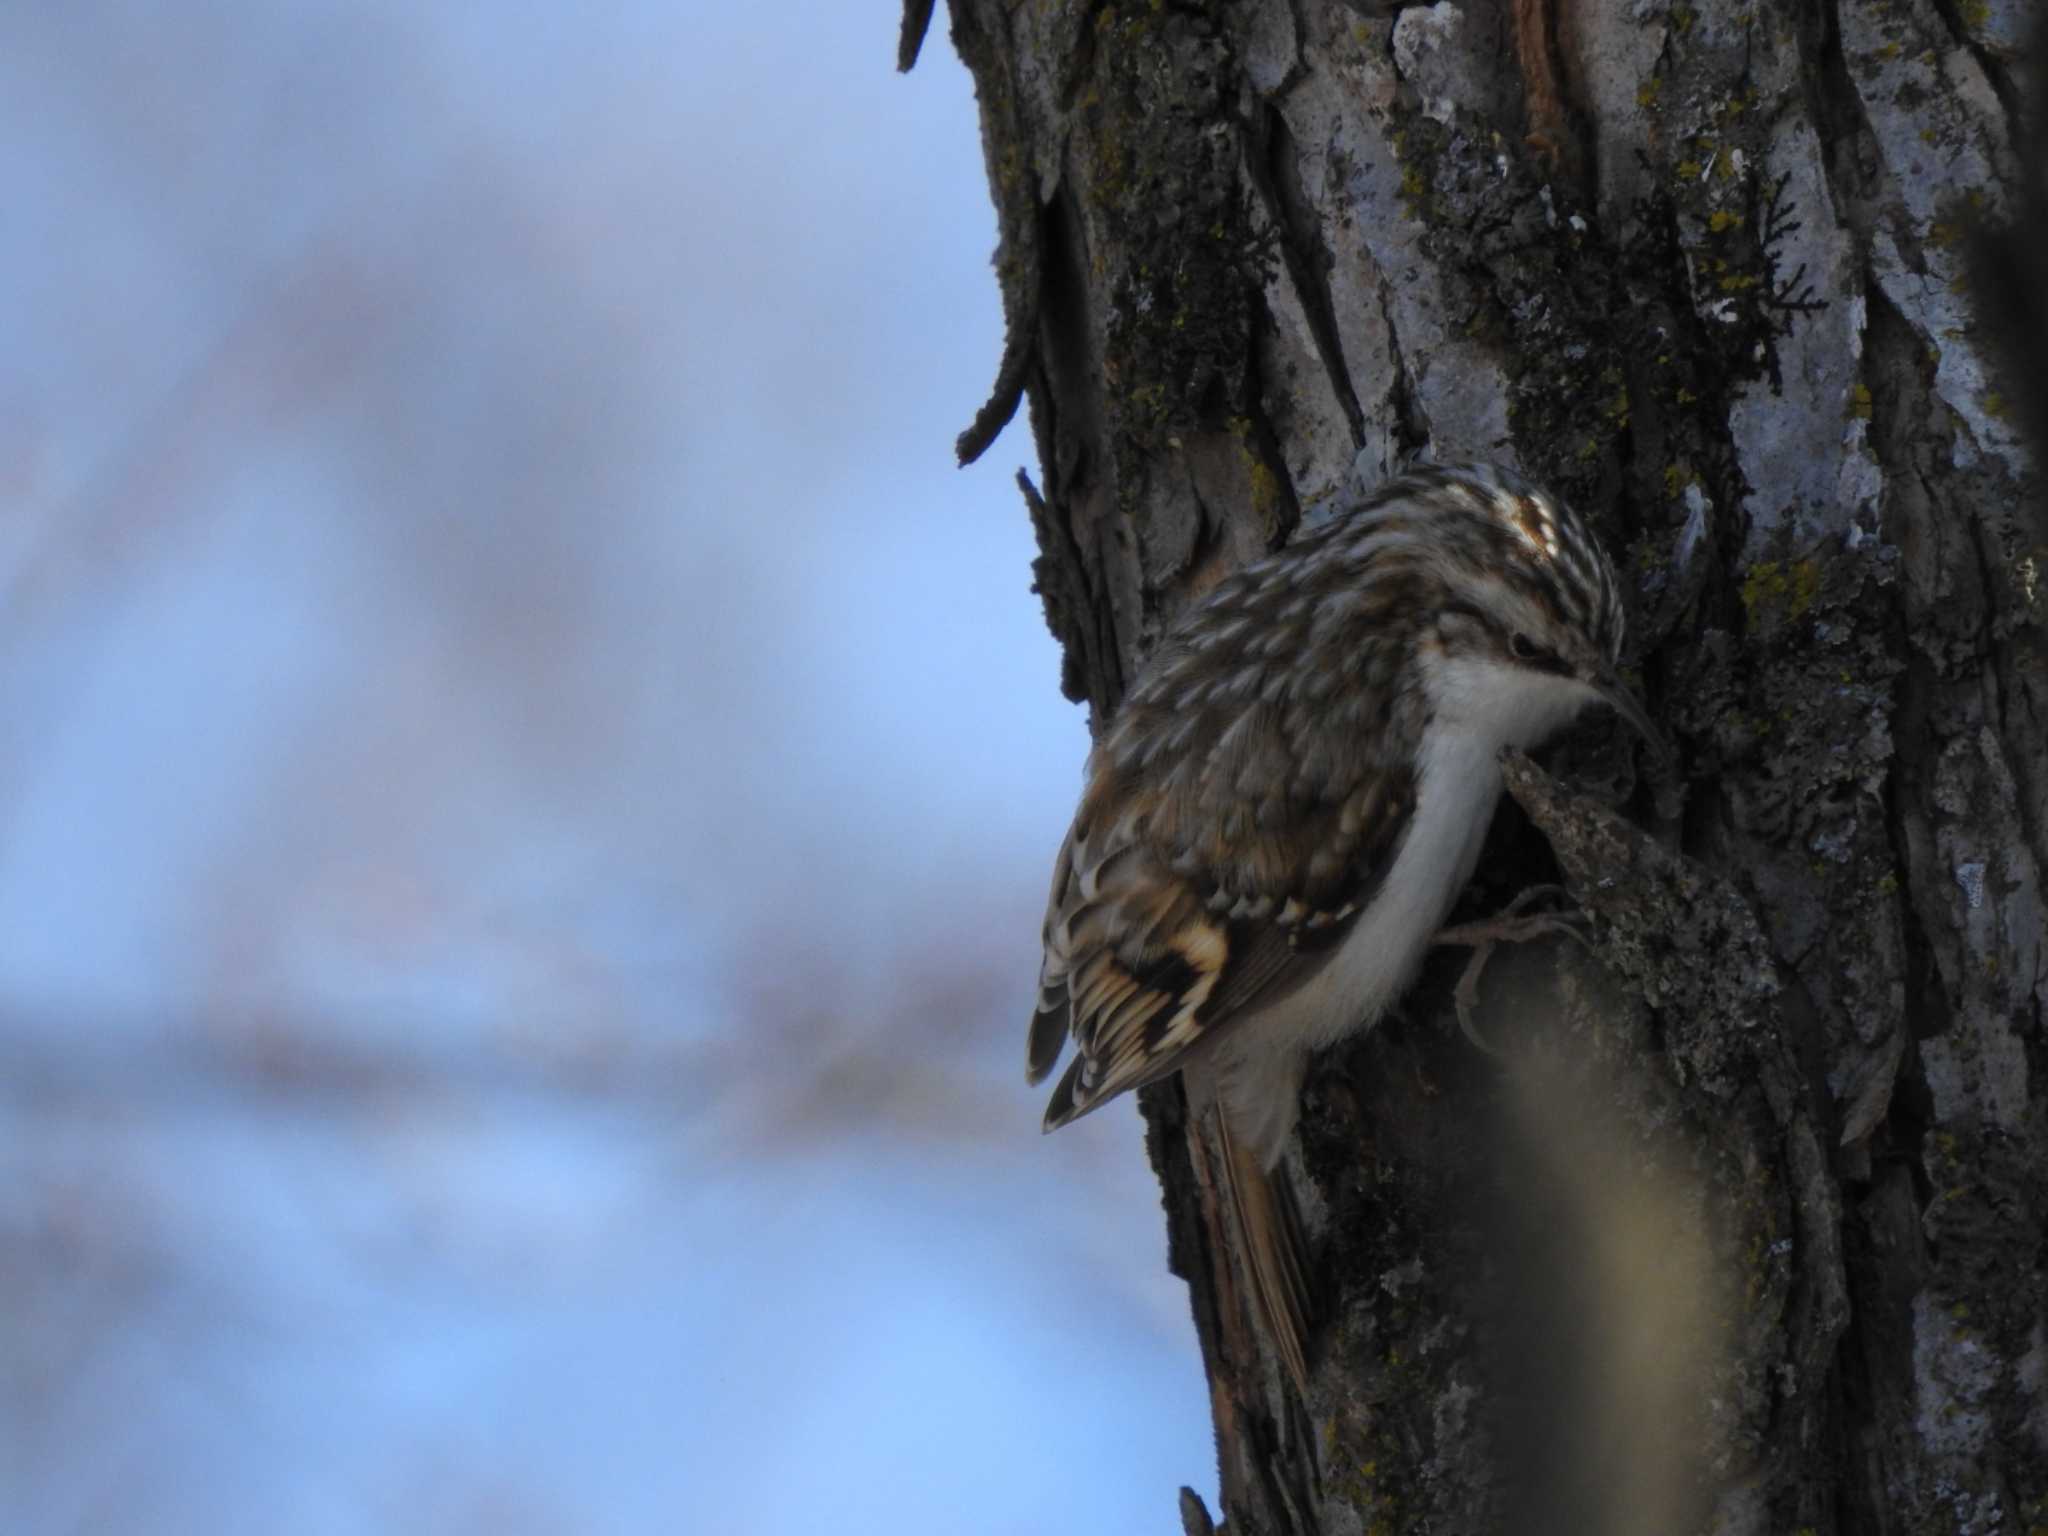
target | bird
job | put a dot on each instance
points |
(1279, 816)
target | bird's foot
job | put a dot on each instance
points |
(1511, 925)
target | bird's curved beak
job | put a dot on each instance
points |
(1622, 699)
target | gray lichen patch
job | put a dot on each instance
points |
(1941, 139)
(1799, 438)
(1418, 372)
(1297, 397)
(1448, 54)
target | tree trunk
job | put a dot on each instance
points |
(1738, 1225)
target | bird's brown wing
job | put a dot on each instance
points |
(1243, 806)
(1156, 940)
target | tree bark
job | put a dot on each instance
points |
(1739, 1226)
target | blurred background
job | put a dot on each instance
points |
(527, 781)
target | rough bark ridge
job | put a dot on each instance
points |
(1742, 1230)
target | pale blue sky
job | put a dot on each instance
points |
(525, 785)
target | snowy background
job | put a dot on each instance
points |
(526, 784)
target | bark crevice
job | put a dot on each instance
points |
(1275, 171)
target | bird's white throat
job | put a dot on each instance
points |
(1515, 706)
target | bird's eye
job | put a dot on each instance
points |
(1530, 654)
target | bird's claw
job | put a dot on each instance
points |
(1511, 925)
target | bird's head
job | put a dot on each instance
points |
(1530, 626)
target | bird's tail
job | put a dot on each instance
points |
(1275, 1252)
